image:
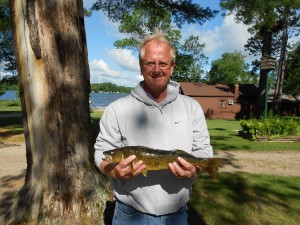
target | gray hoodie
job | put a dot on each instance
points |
(177, 122)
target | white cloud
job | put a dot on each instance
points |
(233, 35)
(101, 72)
(125, 59)
(228, 37)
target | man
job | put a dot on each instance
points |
(157, 116)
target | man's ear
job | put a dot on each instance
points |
(172, 67)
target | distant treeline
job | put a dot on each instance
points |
(109, 87)
(8, 83)
(11, 83)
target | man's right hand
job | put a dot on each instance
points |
(123, 170)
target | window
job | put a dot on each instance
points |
(222, 103)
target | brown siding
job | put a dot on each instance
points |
(212, 110)
(210, 95)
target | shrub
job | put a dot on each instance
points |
(274, 125)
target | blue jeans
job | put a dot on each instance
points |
(126, 215)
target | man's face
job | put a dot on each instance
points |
(156, 67)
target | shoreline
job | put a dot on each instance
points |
(9, 114)
(94, 109)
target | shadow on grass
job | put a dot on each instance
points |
(242, 198)
(11, 126)
(209, 129)
(221, 143)
(194, 217)
(11, 121)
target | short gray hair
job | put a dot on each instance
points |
(159, 36)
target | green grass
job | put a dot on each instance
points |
(223, 133)
(95, 118)
(10, 105)
(242, 198)
(232, 199)
(224, 136)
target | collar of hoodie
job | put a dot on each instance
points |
(172, 92)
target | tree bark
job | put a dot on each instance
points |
(62, 185)
(266, 51)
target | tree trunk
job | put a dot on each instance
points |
(266, 51)
(62, 185)
(281, 67)
(260, 106)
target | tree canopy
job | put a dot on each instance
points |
(291, 84)
(229, 69)
(7, 55)
(140, 18)
(265, 17)
(181, 11)
(271, 22)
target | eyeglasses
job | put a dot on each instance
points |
(161, 65)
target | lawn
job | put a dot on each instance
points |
(223, 133)
(234, 198)
(248, 199)
(224, 136)
(10, 105)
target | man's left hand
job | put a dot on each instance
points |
(183, 169)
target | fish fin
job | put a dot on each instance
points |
(144, 172)
(131, 167)
(182, 153)
(212, 167)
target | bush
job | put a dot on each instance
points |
(272, 126)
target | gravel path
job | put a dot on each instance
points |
(283, 163)
(13, 166)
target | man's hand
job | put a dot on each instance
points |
(123, 170)
(183, 169)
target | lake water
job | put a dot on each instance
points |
(97, 100)
(101, 100)
(9, 95)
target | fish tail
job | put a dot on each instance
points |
(212, 167)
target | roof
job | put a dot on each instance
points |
(216, 90)
(284, 97)
(248, 89)
(201, 89)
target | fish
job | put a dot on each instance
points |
(156, 159)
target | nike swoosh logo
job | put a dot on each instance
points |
(177, 122)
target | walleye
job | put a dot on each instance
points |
(156, 159)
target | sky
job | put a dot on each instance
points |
(108, 64)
